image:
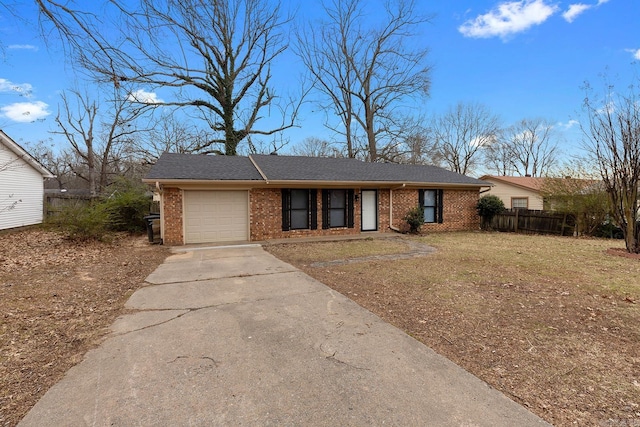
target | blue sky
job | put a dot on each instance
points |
(523, 59)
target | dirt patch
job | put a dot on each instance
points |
(551, 322)
(393, 249)
(623, 253)
(57, 299)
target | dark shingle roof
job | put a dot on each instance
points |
(202, 167)
(298, 168)
(295, 168)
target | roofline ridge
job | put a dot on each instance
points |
(255, 165)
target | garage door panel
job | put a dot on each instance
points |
(216, 216)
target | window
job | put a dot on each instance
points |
(519, 203)
(431, 202)
(299, 209)
(337, 208)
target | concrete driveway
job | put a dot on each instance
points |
(234, 336)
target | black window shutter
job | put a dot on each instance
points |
(286, 209)
(440, 204)
(421, 198)
(350, 219)
(313, 208)
(325, 209)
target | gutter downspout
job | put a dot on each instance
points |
(391, 207)
(487, 190)
(159, 188)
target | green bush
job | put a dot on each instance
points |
(123, 209)
(489, 206)
(82, 221)
(127, 205)
(414, 219)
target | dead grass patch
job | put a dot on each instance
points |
(56, 300)
(346, 249)
(552, 322)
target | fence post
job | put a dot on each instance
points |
(515, 223)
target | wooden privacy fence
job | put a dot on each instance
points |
(534, 222)
(56, 202)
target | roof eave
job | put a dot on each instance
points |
(24, 155)
(307, 183)
(412, 184)
(221, 182)
(504, 181)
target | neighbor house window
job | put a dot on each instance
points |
(299, 209)
(431, 202)
(337, 208)
(519, 203)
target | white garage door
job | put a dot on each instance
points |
(216, 216)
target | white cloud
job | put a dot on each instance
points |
(635, 53)
(23, 46)
(25, 112)
(574, 10)
(145, 97)
(568, 125)
(508, 18)
(578, 8)
(23, 89)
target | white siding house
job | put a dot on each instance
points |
(21, 185)
(517, 191)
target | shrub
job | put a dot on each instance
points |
(127, 206)
(608, 229)
(82, 222)
(123, 210)
(414, 219)
(488, 206)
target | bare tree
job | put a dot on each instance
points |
(316, 147)
(95, 138)
(59, 163)
(462, 133)
(528, 148)
(612, 139)
(577, 192)
(169, 133)
(418, 149)
(366, 73)
(497, 158)
(219, 62)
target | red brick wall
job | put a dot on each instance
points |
(458, 213)
(265, 214)
(266, 217)
(383, 211)
(403, 201)
(172, 216)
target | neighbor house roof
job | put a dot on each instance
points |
(24, 155)
(282, 169)
(526, 182)
(538, 183)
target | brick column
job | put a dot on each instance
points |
(172, 216)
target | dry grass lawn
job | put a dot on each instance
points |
(553, 322)
(57, 299)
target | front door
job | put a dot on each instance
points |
(369, 205)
